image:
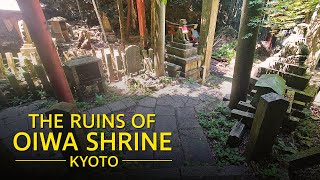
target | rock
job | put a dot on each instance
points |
(236, 134)
(245, 117)
(271, 111)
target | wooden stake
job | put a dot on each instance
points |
(30, 83)
(11, 64)
(43, 78)
(15, 85)
(2, 68)
(3, 98)
(100, 21)
(110, 68)
(21, 59)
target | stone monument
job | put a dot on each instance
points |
(181, 52)
(28, 46)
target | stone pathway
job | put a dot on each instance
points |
(175, 107)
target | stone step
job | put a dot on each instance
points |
(307, 95)
(291, 123)
(292, 80)
(187, 64)
(304, 159)
(290, 68)
(243, 116)
(298, 105)
(173, 69)
(194, 74)
(181, 45)
(253, 92)
(246, 106)
(184, 53)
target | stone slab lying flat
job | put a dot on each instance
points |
(307, 95)
(245, 117)
(195, 146)
(304, 159)
(246, 106)
(298, 105)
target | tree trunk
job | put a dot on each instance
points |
(245, 52)
(99, 19)
(128, 18)
(153, 23)
(159, 40)
(209, 15)
(121, 21)
(79, 9)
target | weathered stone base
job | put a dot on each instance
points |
(292, 80)
(187, 64)
(194, 74)
(290, 68)
(184, 53)
(181, 45)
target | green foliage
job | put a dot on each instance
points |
(306, 132)
(81, 105)
(226, 51)
(166, 80)
(16, 101)
(42, 94)
(285, 14)
(218, 128)
(267, 171)
(100, 100)
(190, 81)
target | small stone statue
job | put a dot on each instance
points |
(182, 32)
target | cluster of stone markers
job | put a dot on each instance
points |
(183, 60)
(278, 94)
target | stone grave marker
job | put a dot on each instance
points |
(269, 115)
(268, 83)
(133, 59)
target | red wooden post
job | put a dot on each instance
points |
(142, 21)
(36, 22)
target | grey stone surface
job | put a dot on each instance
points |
(165, 100)
(100, 110)
(148, 102)
(140, 154)
(192, 102)
(165, 110)
(195, 146)
(166, 123)
(176, 155)
(13, 128)
(186, 118)
(133, 59)
(116, 106)
(128, 102)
